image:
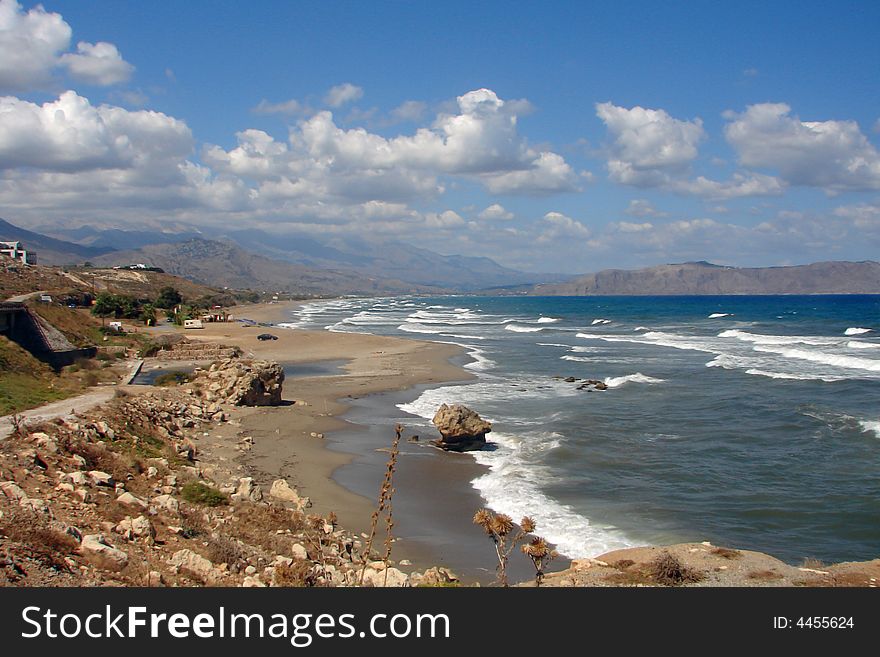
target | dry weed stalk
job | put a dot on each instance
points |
(499, 527)
(19, 425)
(384, 507)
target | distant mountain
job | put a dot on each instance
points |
(397, 260)
(223, 264)
(119, 240)
(706, 278)
(50, 251)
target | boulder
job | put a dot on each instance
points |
(434, 577)
(194, 565)
(128, 499)
(166, 503)
(12, 490)
(242, 383)
(247, 491)
(101, 554)
(390, 577)
(461, 429)
(282, 491)
(133, 528)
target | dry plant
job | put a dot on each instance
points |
(500, 528)
(668, 570)
(19, 425)
(384, 507)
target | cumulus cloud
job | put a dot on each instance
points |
(410, 110)
(342, 94)
(557, 226)
(70, 134)
(32, 46)
(832, 155)
(97, 63)
(446, 219)
(643, 208)
(29, 45)
(648, 144)
(495, 212)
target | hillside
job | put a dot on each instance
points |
(224, 264)
(705, 278)
(50, 251)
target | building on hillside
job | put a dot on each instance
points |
(16, 251)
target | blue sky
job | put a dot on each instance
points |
(550, 137)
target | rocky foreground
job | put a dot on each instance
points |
(118, 496)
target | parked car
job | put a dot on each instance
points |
(267, 336)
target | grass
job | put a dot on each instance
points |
(196, 492)
(172, 379)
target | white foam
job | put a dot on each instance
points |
(856, 331)
(600, 321)
(871, 426)
(553, 344)
(720, 315)
(847, 362)
(638, 377)
(641, 328)
(578, 359)
(758, 338)
(522, 329)
(547, 320)
(856, 344)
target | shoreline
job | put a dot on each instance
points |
(342, 471)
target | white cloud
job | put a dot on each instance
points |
(832, 155)
(97, 63)
(751, 184)
(643, 208)
(291, 106)
(410, 110)
(69, 134)
(629, 227)
(495, 212)
(648, 144)
(29, 45)
(558, 226)
(446, 219)
(342, 94)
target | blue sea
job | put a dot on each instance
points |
(747, 421)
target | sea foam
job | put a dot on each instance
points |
(856, 331)
(720, 315)
(638, 377)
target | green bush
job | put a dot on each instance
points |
(172, 379)
(198, 493)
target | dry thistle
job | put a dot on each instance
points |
(383, 506)
(540, 554)
(499, 528)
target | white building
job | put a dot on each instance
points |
(15, 251)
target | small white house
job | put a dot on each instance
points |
(116, 326)
(192, 324)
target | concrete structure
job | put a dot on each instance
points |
(192, 324)
(16, 251)
(35, 334)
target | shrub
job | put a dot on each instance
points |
(172, 379)
(198, 493)
(667, 570)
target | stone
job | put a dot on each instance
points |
(12, 491)
(99, 478)
(298, 551)
(36, 505)
(194, 565)
(253, 583)
(390, 577)
(247, 491)
(77, 478)
(128, 499)
(461, 429)
(436, 576)
(99, 553)
(281, 490)
(154, 579)
(167, 503)
(133, 528)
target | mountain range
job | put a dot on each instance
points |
(705, 278)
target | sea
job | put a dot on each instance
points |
(749, 421)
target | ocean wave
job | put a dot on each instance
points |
(522, 329)
(856, 331)
(847, 362)
(871, 426)
(547, 320)
(720, 315)
(638, 377)
(513, 486)
(578, 359)
(757, 338)
(553, 344)
(856, 344)
(600, 320)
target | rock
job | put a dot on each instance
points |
(298, 551)
(247, 491)
(152, 472)
(281, 490)
(101, 554)
(569, 379)
(128, 499)
(77, 478)
(250, 570)
(167, 503)
(242, 383)
(36, 505)
(194, 565)
(434, 577)
(132, 528)
(154, 578)
(99, 478)
(253, 583)
(461, 428)
(390, 577)
(12, 491)
(601, 386)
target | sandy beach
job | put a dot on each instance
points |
(366, 369)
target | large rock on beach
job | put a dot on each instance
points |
(461, 429)
(242, 383)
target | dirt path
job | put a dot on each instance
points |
(64, 408)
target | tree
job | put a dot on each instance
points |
(168, 298)
(105, 305)
(148, 314)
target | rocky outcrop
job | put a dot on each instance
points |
(461, 429)
(241, 383)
